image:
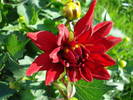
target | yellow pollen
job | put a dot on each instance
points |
(66, 50)
(73, 48)
(76, 46)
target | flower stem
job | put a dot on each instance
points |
(58, 18)
(62, 89)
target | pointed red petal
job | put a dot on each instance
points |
(95, 48)
(108, 42)
(41, 62)
(103, 59)
(84, 23)
(63, 33)
(82, 38)
(86, 74)
(43, 39)
(102, 45)
(53, 73)
(101, 30)
(101, 74)
(73, 74)
(98, 71)
(111, 42)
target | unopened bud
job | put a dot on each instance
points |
(126, 39)
(72, 10)
(122, 63)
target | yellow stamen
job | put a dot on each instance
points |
(66, 50)
(76, 46)
(73, 48)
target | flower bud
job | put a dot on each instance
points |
(126, 39)
(122, 63)
(72, 10)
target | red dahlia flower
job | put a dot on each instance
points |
(83, 57)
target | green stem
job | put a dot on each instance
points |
(61, 90)
(58, 18)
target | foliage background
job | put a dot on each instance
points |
(17, 17)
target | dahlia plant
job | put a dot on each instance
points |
(72, 56)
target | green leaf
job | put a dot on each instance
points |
(87, 2)
(129, 67)
(5, 91)
(3, 59)
(29, 13)
(0, 17)
(49, 25)
(15, 47)
(26, 61)
(34, 90)
(17, 70)
(39, 3)
(91, 90)
(50, 13)
(39, 94)
(27, 95)
(11, 28)
(34, 95)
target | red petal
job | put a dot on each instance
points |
(102, 45)
(95, 48)
(70, 57)
(73, 74)
(53, 55)
(101, 74)
(86, 74)
(84, 23)
(111, 42)
(103, 59)
(63, 33)
(82, 38)
(98, 71)
(44, 40)
(108, 42)
(41, 62)
(101, 30)
(53, 73)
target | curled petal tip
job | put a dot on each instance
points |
(31, 35)
(28, 33)
(63, 33)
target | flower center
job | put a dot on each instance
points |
(74, 56)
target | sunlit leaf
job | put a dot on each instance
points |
(91, 90)
(15, 47)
